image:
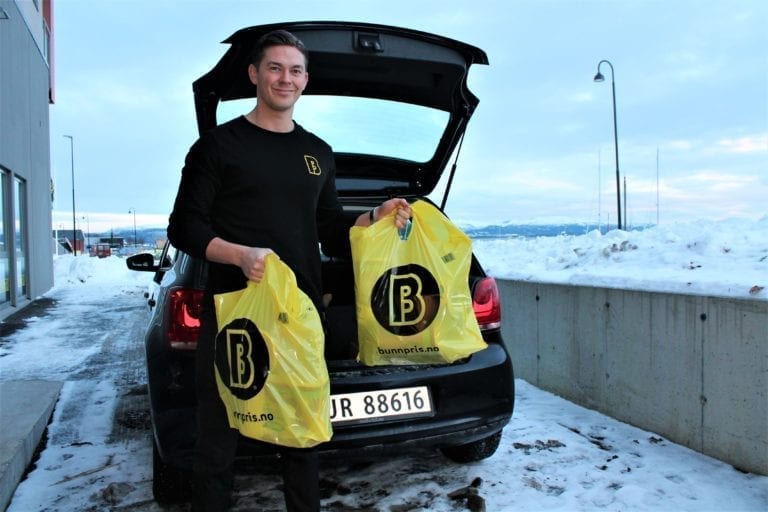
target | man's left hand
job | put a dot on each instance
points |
(401, 208)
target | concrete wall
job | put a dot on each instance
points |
(693, 369)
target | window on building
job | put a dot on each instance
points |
(20, 238)
(5, 296)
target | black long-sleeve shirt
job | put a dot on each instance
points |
(259, 188)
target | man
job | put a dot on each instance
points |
(255, 185)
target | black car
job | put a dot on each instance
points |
(394, 105)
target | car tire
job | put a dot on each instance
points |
(169, 484)
(474, 451)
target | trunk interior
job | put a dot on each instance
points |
(341, 321)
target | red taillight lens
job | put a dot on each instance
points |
(486, 303)
(184, 318)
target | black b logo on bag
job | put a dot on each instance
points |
(405, 299)
(242, 358)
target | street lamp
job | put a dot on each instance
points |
(599, 78)
(87, 230)
(72, 161)
(133, 210)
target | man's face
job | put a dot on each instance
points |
(280, 78)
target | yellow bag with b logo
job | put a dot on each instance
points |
(270, 369)
(411, 291)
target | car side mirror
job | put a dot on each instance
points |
(143, 262)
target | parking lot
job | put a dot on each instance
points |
(87, 334)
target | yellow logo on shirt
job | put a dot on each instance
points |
(313, 166)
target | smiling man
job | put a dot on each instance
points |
(280, 79)
(255, 185)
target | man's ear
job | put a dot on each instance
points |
(253, 74)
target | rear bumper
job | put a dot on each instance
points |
(472, 400)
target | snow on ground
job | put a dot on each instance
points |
(727, 258)
(554, 455)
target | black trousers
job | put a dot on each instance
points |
(216, 445)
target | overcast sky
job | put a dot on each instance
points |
(691, 96)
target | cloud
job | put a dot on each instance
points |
(690, 66)
(747, 144)
(711, 190)
(707, 176)
(743, 145)
(680, 144)
(582, 97)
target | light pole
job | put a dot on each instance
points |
(133, 210)
(87, 230)
(72, 161)
(599, 78)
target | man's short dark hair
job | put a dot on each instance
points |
(277, 38)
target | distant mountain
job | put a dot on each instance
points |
(145, 236)
(536, 230)
(149, 236)
(529, 230)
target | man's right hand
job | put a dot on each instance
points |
(252, 262)
(249, 259)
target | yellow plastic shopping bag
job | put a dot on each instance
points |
(270, 368)
(412, 292)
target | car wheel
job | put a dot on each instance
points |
(169, 484)
(474, 451)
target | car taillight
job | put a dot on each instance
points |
(486, 303)
(184, 318)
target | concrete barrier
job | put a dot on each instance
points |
(693, 369)
(25, 409)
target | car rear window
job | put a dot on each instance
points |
(363, 125)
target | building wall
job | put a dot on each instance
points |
(25, 152)
(693, 369)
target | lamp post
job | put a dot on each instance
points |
(133, 210)
(87, 230)
(599, 78)
(72, 161)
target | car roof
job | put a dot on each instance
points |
(364, 60)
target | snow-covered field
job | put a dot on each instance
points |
(727, 258)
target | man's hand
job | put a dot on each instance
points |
(401, 208)
(252, 262)
(399, 205)
(249, 259)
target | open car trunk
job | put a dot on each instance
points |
(383, 65)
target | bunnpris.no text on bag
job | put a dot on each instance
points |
(270, 369)
(412, 294)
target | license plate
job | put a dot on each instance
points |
(380, 405)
